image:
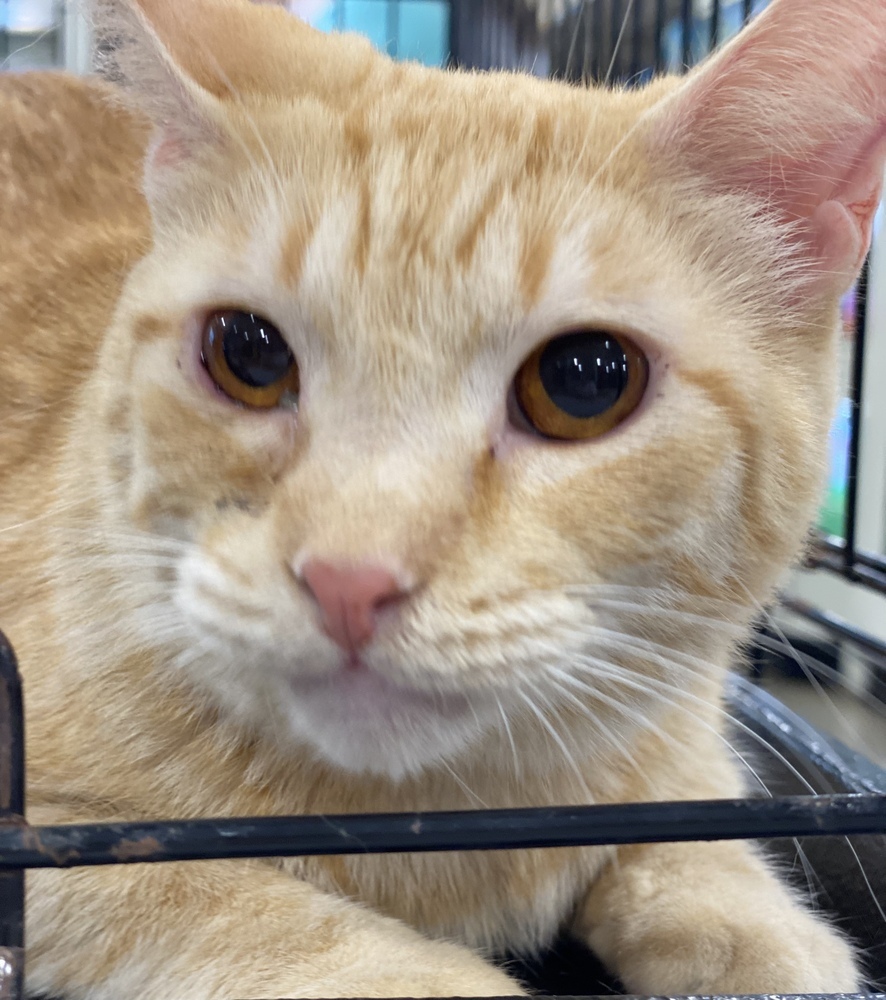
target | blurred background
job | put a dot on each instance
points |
(823, 649)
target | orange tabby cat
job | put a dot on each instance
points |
(381, 438)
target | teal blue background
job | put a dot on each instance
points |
(421, 33)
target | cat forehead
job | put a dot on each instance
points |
(454, 186)
(448, 217)
(526, 128)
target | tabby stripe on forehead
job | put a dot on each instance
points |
(363, 231)
(358, 142)
(536, 250)
(466, 246)
(295, 249)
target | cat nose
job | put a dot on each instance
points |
(349, 597)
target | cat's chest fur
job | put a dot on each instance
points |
(495, 902)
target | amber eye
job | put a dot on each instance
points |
(580, 385)
(248, 359)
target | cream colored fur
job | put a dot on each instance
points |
(415, 234)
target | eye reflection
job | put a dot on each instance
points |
(584, 375)
(248, 359)
(581, 384)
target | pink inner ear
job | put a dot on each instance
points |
(837, 191)
(861, 197)
(167, 151)
(793, 111)
(836, 238)
(169, 156)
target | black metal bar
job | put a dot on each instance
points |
(483, 830)
(588, 70)
(686, 24)
(597, 33)
(659, 34)
(730, 996)
(714, 36)
(838, 626)
(637, 39)
(862, 557)
(392, 28)
(12, 807)
(849, 770)
(573, 72)
(455, 57)
(520, 34)
(851, 516)
(865, 571)
(498, 43)
(746, 10)
(617, 26)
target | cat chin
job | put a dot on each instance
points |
(386, 755)
(364, 724)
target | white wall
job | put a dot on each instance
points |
(862, 607)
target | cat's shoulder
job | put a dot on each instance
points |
(66, 145)
(74, 221)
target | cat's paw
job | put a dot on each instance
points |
(787, 952)
(490, 982)
(405, 966)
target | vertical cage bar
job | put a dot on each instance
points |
(597, 33)
(637, 39)
(746, 6)
(616, 38)
(686, 26)
(498, 31)
(454, 58)
(392, 28)
(520, 35)
(12, 807)
(574, 71)
(851, 513)
(659, 34)
(714, 37)
(551, 34)
(483, 54)
(588, 70)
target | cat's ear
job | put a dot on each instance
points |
(194, 65)
(793, 111)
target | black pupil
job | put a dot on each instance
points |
(255, 351)
(584, 373)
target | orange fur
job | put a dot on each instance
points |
(415, 234)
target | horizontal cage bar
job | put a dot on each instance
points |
(495, 829)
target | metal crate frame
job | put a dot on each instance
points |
(22, 846)
(580, 49)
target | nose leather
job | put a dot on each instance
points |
(349, 597)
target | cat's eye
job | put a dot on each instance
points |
(581, 384)
(248, 359)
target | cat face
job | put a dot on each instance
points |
(393, 564)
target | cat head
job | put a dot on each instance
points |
(446, 396)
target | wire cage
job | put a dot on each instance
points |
(614, 41)
(625, 42)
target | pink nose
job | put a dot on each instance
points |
(348, 597)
